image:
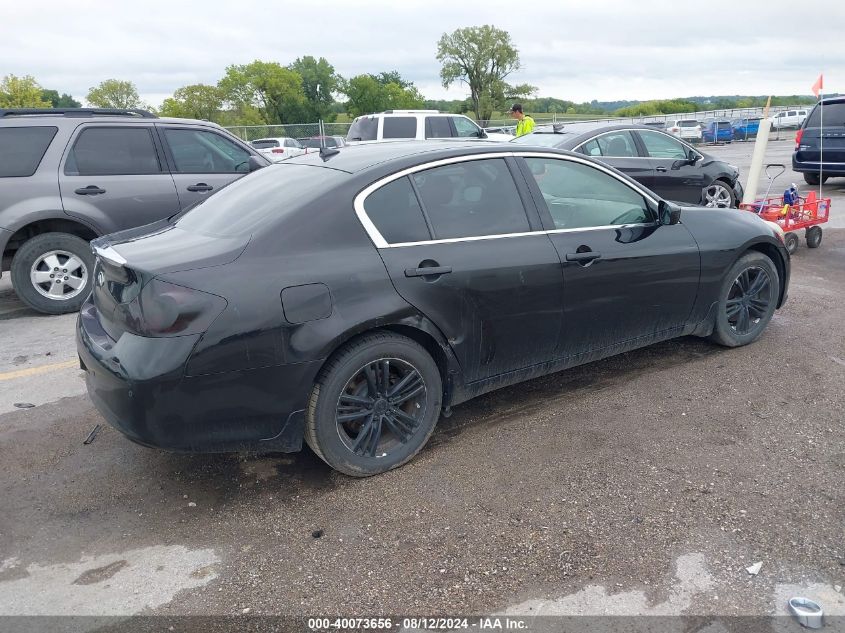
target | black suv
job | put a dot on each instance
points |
(810, 143)
(68, 176)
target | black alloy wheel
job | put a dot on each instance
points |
(748, 300)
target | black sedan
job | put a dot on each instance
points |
(662, 162)
(349, 300)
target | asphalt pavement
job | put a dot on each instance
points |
(642, 484)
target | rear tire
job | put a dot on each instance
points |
(813, 179)
(68, 258)
(790, 240)
(813, 235)
(747, 300)
(384, 423)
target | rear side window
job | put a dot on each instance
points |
(22, 148)
(471, 199)
(834, 115)
(400, 127)
(437, 127)
(396, 213)
(113, 151)
(619, 144)
(363, 129)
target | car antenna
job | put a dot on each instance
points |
(325, 152)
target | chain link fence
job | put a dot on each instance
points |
(293, 130)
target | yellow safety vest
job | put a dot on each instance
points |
(526, 126)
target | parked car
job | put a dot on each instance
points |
(717, 131)
(70, 175)
(667, 165)
(419, 125)
(316, 142)
(432, 274)
(745, 128)
(687, 129)
(788, 118)
(279, 148)
(819, 156)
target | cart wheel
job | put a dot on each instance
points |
(813, 235)
(790, 240)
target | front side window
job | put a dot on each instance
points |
(203, 152)
(400, 127)
(396, 213)
(659, 145)
(466, 128)
(581, 196)
(113, 151)
(471, 199)
(616, 144)
(22, 148)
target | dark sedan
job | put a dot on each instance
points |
(350, 299)
(663, 163)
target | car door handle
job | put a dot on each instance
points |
(428, 271)
(200, 186)
(661, 168)
(90, 190)
(582, 258)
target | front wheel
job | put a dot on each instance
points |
(718, 195)
(51, 272)
(747, 300)
(374, 405)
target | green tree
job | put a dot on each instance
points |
(60, 101)
(393, 77)
(114, 93)
(319, 83)
(21, 92)
(367, 95)
(197, 101)
(481, 57)
(276, 92)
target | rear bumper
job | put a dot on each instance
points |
(138, 385)
(829, 168)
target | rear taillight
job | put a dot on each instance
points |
(676, 129)
(165, 309)
(798, 136)
(278, 150)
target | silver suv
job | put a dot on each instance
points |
(68, 176)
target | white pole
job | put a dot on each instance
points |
(757, 157)
(821, 141)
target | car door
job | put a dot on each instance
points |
(202, 161)
(627, 279)
(674, 177)
(459, 246)
(618, 149)
(115, 177)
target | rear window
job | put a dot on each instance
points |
(22, 148)
(265, 143)
(400, 127)
(363, 129)
(687, 123)
(834, 115)
(258, 199)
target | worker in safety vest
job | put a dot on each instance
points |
(525, 124)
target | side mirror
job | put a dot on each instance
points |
(482, 134)
(255, 164)
(668, 213)
(693, 157)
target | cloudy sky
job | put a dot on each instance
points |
(571, 49)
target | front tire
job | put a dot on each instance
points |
(747, 300)
(719, 194)
(51, 272)
(374, 405)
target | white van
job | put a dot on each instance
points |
(788, 118)
(417, 125)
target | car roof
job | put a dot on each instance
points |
(358, 157)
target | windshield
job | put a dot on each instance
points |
(258, 199)
(546, 139)
(363, 129)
